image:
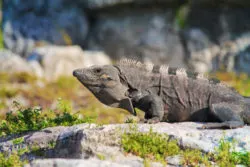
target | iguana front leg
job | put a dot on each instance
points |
(153, 107)
(228, 114)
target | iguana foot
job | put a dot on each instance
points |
(227, 113)
(223, 125)
(141, 121)
(152, 120)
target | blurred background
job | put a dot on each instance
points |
(43, 41)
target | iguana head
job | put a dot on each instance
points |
(104, 82)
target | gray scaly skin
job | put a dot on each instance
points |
(166, 94)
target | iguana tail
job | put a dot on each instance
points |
(247, 100)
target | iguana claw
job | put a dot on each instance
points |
(152, 120)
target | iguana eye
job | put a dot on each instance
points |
(97, 70)
(109, 79)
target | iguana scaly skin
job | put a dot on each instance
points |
(166, 94)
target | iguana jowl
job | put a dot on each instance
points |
(166, 94)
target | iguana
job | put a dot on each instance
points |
(166, 94)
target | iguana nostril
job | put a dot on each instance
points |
(75, 73)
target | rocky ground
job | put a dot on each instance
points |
(95, 145)
(98, 144)
(51, 62)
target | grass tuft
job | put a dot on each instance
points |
(31, 119)
(149, 145)
(154, 146)
(11, 160)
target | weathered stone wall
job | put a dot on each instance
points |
(27, 24)
(203, 35)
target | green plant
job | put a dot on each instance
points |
(30, 119)
(39, 92)
(155, 146)
(36, 150)
(2, 105)
(63, 105)
(146, 162)
(241, 158)
(11, 160)
(18, 140)
(100, 156)
(22, 151)
(8, 93)
(130, 120)
(227, 156)
(195, 158)
(22, 77)
(181, 16)
(52, 144)
(149, 145)
(240, 81)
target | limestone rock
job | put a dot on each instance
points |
(174, 160)
(74, 163)
(10, 62)
(93, 162)
(13, 63)
(62, 60)
(90, 140)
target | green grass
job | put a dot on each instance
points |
(181, 16)
(154, 146)
(18, 140)
(12, 160)
(149, 145)
(38, 92)
(194, 158)
(7, 92)
(227, 156)
(240, 82)
(31, 119)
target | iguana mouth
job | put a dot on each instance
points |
(88, 84)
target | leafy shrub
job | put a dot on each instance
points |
(241, 158)
(149, 145)
(18, 140)
(11, 160)
(227, 156)
(155, 146)
(195, 158)
(8, 93)
(21, 77)
(30, 119)
(240, 82)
